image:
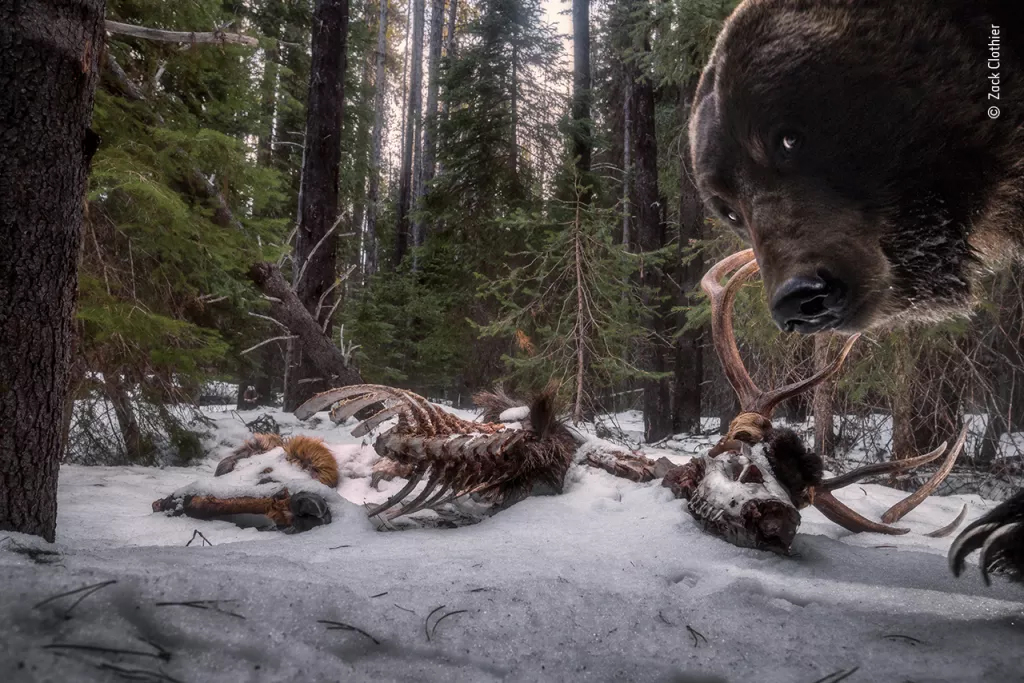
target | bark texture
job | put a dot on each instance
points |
(370, 241)
(316, 347)
(190, 37)
(650, 237)
(405, 183)
(315, 244)
(48, 74)
(689, 370)
(429, 164)
(582, 148)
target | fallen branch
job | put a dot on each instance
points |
(191, 37)
(328, 359)
(286, 337)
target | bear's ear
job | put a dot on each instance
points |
(706, 83)
(702, 109)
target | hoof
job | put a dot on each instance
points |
(308, 511)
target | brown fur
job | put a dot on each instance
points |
(900, 186)
(313, 456)
(258, 444)
(306, 452)
(275, 507)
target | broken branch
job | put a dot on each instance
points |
(191, 37)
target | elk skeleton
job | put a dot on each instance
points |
(745, 462)
(498, 462)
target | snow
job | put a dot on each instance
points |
(604, 582)
(517, 414)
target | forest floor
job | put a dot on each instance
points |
(610, 581)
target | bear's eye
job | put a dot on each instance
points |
(731, 214)
(790, 142)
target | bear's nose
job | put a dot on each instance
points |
(808, 304)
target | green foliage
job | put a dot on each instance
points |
(180, 204)
(571, 304)
(418, 326)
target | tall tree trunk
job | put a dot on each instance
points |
(650, 229)
(315, 243)
(627, 160)
(361, 142)
(430, 117)
(137, 449)
(449, 51)
(48, 77)
(449, 43)
(822, 403)
(582, 144)
(268, 98)
(370, 241)
(405, 182)
(689, 370)
(513, 152)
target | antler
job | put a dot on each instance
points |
(757, 405)
(753, 423)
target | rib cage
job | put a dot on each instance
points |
(455, 457)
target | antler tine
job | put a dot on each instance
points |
(890, 467)
(722, 333)
(842, 515)
(768, 401)
(900, 509)
(850, 520)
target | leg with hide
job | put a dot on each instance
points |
(282, 510)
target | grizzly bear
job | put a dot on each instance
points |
(872, 152)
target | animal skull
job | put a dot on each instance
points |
(738, 498)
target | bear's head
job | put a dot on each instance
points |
(850, 143)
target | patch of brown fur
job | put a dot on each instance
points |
(312, 455)
(493, 404)
(306, 452)
(258, 444)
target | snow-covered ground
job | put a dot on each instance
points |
(610, 581)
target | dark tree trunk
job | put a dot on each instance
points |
(925, 405)
(689, 370)
(449, 51)
(268, 97)
(650, 237)
(138, 450)
(315, 244)
(430, 117)
(513, 149)
(373, 187)
(582, 146)
(48, 77)
(453, 10)
(405, 181)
